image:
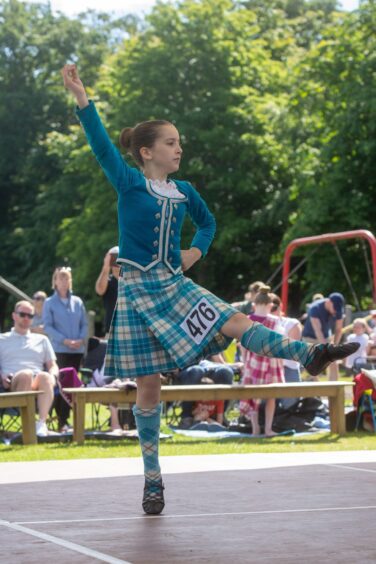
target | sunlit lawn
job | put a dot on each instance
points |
(178, 445)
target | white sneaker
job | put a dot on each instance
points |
(41, 429)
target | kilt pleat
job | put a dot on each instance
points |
(148, 333)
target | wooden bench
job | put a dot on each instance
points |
(25, 401)
(335, 391)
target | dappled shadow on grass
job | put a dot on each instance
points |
(328, 439)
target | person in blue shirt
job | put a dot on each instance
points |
(324, 317)
(163, 320)
(65, 323)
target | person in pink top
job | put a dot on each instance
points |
(260, 370)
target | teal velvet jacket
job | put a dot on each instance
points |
(149, 224)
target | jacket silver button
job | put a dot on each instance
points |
(171, 247)
(155, 243)
(154, 257)
(169, 259)
(159, 202)
(174, 219)
(176, 206)
(172, 232)
(156, 229)
(157, 216)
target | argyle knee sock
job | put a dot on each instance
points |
(148, 424)
(265, 342)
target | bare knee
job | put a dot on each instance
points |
(236, 326)
(148, 391)
(44, 380)
(22, 380)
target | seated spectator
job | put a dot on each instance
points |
(359, 335)
(247, 305)
(260, 370)
(38, 302)
(215, 371)
(28, 362)
(210, 411)
(216, 368)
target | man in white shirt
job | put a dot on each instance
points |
(28, 362)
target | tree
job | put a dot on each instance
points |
(34, 44)
(334, 136)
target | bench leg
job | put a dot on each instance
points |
(337, 412)
(79, 419)
(29, 435)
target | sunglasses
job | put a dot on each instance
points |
(39, 298)
(24, 314)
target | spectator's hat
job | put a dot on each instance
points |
(338, 302)
(114, 250)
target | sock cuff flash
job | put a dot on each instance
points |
(141, 412)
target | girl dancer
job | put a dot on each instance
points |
(162, 319)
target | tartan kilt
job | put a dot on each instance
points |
(163, 321)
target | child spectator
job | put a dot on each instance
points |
(360, 336)
(260, 370)
(208, 411)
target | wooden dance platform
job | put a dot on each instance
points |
(288, 513)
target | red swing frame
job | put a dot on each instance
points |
(326, 238)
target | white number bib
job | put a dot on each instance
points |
(200, 320)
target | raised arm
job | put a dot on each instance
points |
(114, 166)
(73, 83)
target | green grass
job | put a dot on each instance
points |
(179, 445)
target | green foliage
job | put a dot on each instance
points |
(34, 45)
(333, 105)
(275, 105)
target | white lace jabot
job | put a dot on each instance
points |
(166, 188)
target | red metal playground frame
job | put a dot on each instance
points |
(326, 238)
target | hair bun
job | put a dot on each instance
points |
(126, 138)
(264, 289)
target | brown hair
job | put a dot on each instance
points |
(276, 300)
(255, 286)
(144, 134)
(263, 296)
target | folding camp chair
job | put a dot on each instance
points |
(10, 421)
